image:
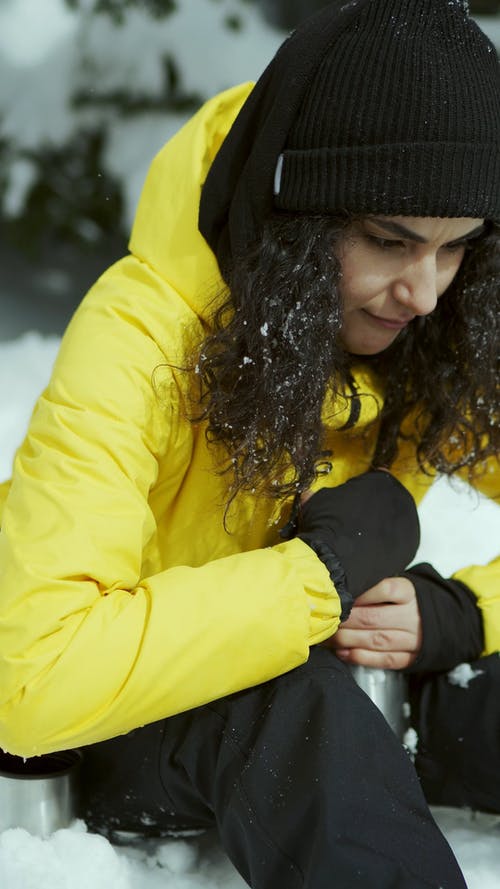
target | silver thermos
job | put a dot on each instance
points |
(38, 794)
(388, 690)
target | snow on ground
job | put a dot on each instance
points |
(75, 859)
(457, 528)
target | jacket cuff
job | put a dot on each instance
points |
(335, 569)
(321, 598)
(452, 627)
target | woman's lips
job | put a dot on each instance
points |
(388, 323)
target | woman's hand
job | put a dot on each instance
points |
(384, 629)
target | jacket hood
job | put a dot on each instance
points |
(165, 233)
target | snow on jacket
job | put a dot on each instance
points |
(123, 599)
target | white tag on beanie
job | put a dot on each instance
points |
(277, 174)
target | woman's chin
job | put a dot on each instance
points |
(364, 333)
(362, 346)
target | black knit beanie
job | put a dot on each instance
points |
(371, 106)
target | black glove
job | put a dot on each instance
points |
(368, 527)
(452, 625)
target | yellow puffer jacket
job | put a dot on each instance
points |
(122, 598)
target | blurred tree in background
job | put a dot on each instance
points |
(72, 198)
(65, 191)
(117, 9)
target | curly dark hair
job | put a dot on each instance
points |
(275, 351)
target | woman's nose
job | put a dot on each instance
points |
(417, 287)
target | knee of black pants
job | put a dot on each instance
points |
(302, 775)
(165, 775)
(292, 710)
(306, 736)
(303, 772)
(458, 757)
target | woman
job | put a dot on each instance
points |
(326, 311)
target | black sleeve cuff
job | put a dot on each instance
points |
(452, 625)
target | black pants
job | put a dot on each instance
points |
(306, 783)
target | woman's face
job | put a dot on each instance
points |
(395, 268)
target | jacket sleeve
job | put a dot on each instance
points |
(484, 580)
(89, 648)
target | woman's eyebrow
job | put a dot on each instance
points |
(396, 228)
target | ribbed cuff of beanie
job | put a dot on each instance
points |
(355, 178)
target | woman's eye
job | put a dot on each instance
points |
(384, 243)
(457, 246)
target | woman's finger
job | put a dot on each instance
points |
(381, 660)
(376, 640)
(373, 617)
